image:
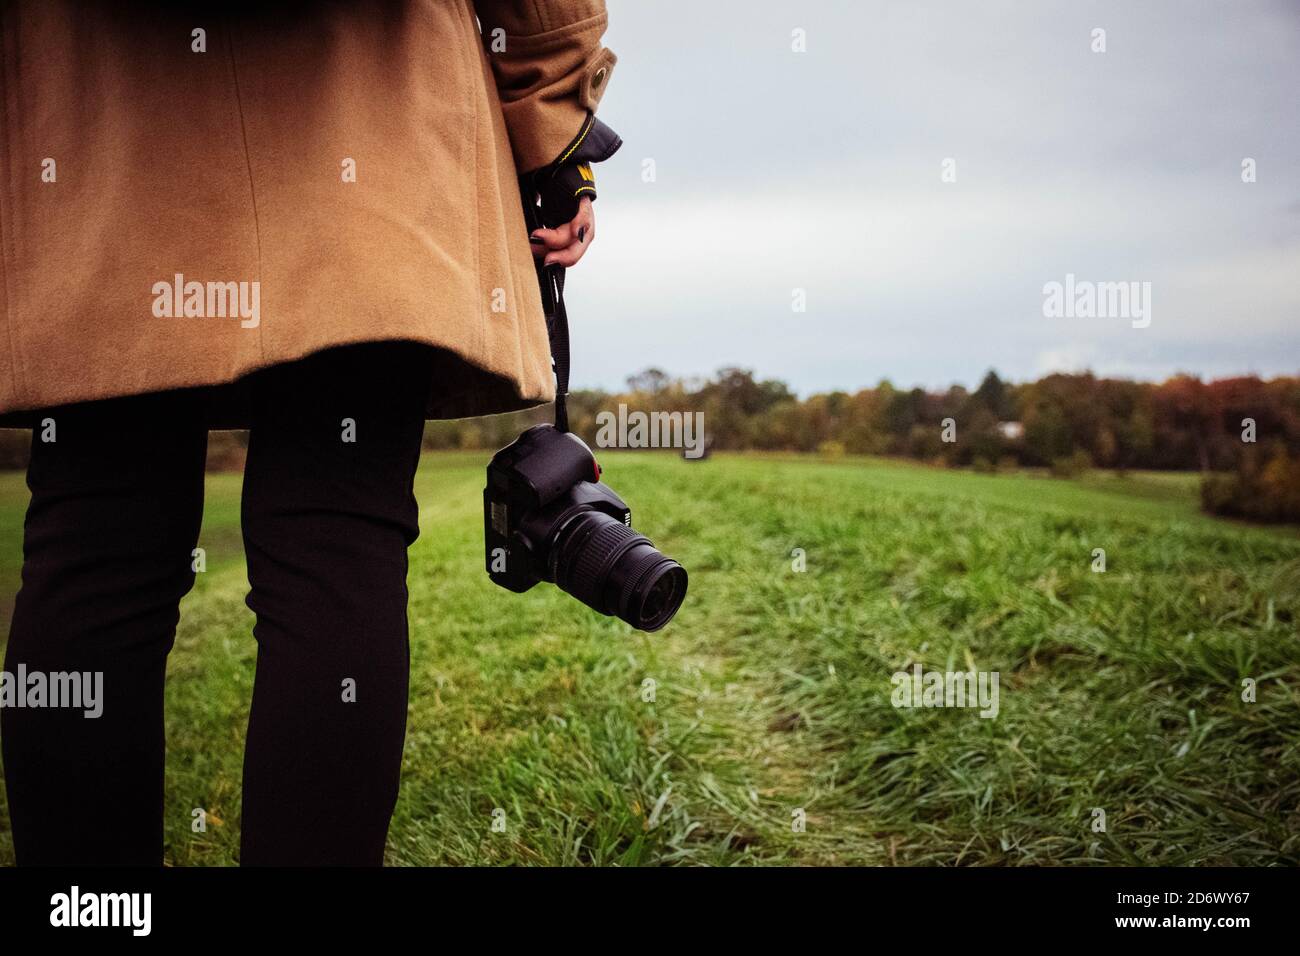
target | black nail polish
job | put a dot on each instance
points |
(582, 233)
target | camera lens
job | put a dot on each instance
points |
(610, 567)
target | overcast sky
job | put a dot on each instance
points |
(821, 170)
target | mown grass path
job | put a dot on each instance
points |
(768, 698)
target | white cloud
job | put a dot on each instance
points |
(821, 171)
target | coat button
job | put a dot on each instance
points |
(598, 79)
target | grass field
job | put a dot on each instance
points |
(1119, 690)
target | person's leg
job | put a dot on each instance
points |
(117, 501)
(328, 513)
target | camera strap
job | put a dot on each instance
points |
(551, 280)
(557, 329)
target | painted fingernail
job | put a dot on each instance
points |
(582, 233)
(534, 238)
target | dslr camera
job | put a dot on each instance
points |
(548, 517)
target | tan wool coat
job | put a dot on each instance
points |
(188, 194)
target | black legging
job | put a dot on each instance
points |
(116, 505)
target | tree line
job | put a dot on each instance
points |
(1242, 434)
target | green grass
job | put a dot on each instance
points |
(1119, 690)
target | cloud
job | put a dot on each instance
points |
(820, 171)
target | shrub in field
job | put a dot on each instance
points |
(1262, 490)
(15, 444)
(1072, 465)
(227, 450)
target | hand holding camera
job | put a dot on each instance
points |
(546, 514)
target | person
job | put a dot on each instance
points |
(306, 222)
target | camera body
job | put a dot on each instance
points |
(548, 517)
(532, 484)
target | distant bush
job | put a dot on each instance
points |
(1072, 465)
(15, 446)
(831, 449)
(1261, 490)
(227, 450)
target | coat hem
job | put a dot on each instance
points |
(459, 388)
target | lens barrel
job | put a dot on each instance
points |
(608, 566)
